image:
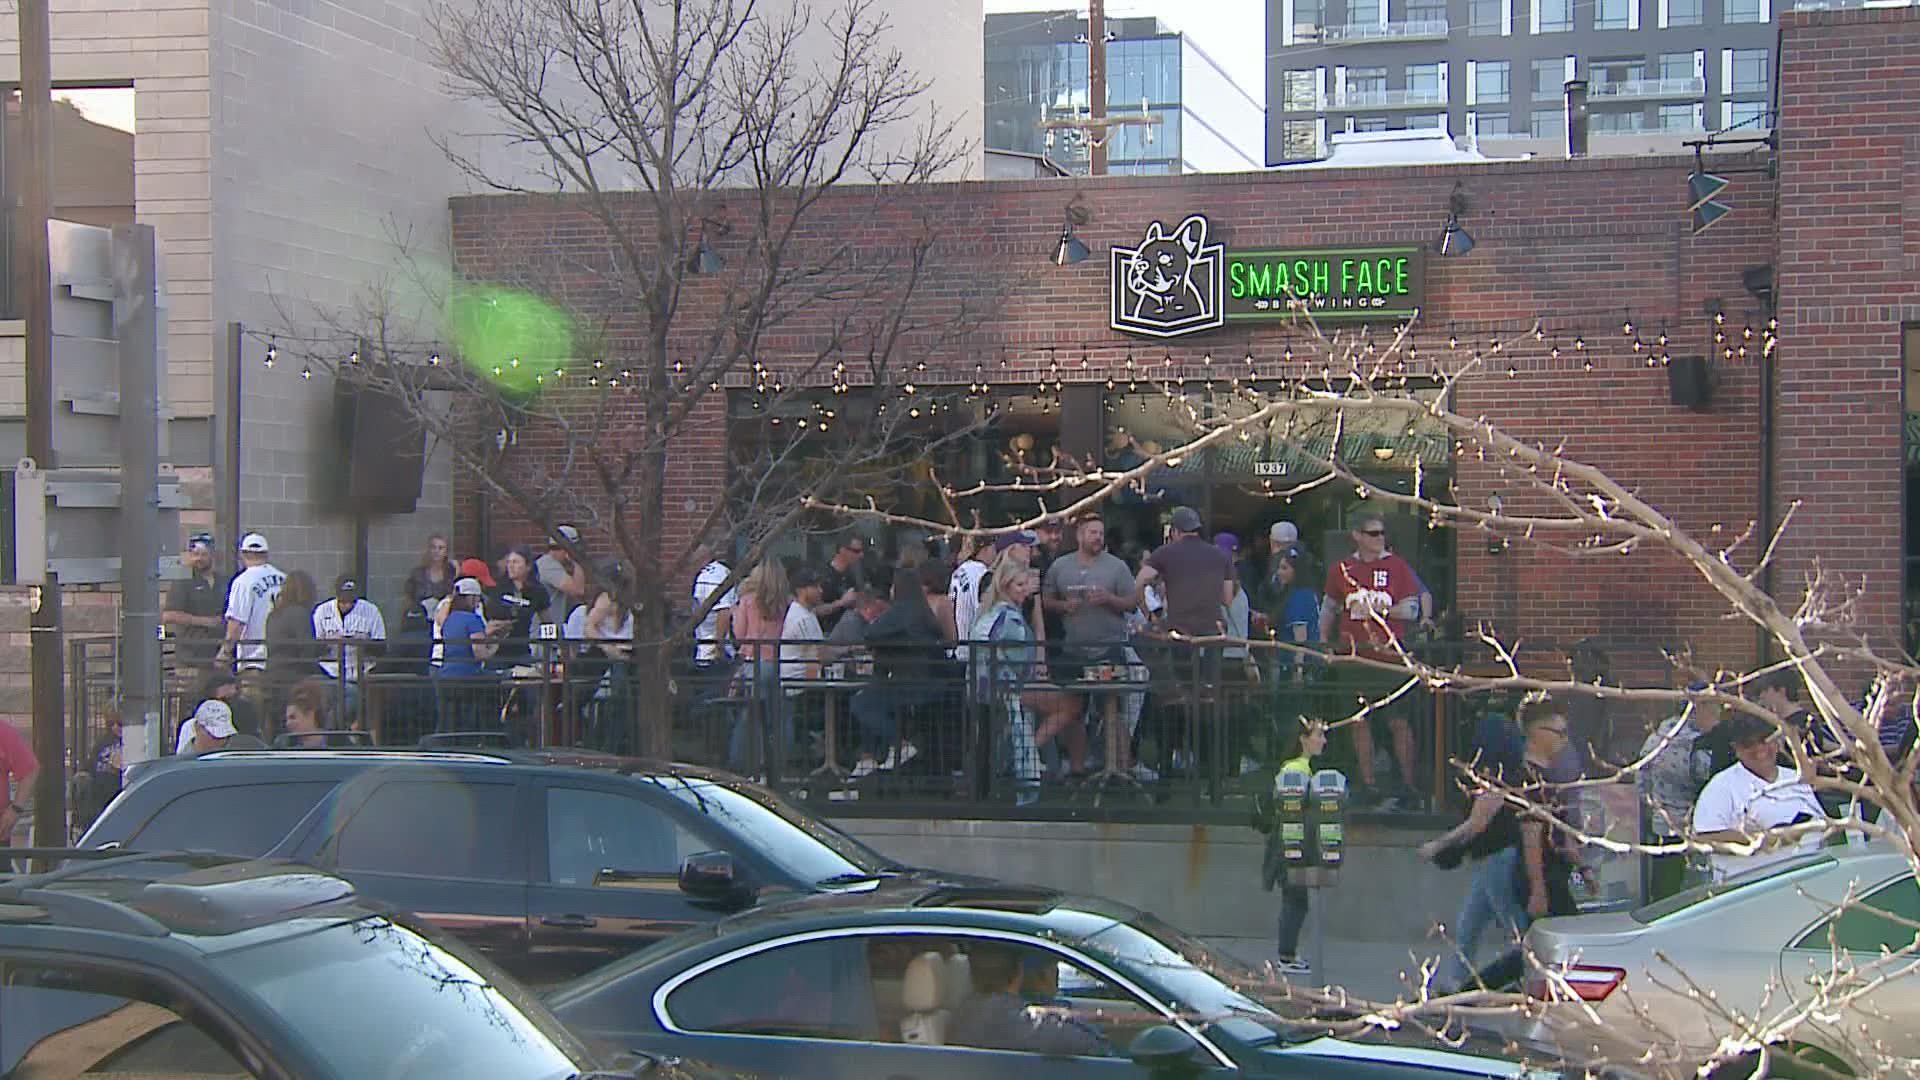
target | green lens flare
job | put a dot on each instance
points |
(510, 336)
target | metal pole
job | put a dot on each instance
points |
(136, 326)
(45, 644)
(226, 450)
(1097, 133)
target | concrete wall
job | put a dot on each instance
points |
(1203, 879)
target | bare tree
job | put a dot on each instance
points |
(1560, 503)
(702, 273)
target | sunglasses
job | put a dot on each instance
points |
(1373, 532)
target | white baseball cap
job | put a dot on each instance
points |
(467, 586)
(1284, 533)
(254, 543)
(566, 532)
(215, 718)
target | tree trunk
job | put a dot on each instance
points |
(654, 686)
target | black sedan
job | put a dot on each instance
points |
(932, 983)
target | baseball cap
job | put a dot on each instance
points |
(1186, 519)
(467, 586)
(1007, 540)
(214, 718)
(477, 570)
(565, 533)
(1744, 728)
(200, 540)
(346, 584)
(803, 576)
(254, 544)
(1284, 534)
(1226, 542)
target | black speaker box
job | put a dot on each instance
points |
(1689, 382)
(383, 446)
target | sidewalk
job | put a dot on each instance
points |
(1374, 970)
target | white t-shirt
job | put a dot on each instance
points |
(249, 601)
(1736, 798)
(711, 577)
(576, 627)
(964, 591)
(362, 620)
(800, 625)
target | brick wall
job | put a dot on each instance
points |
(1580, 244)
(1849, 277)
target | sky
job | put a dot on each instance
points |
(1233, 32)
(111, 107)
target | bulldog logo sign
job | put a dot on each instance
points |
(1172, 284)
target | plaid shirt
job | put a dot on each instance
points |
(1673, 775)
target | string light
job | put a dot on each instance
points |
(273, 353)
(307, 372)
(434, 359)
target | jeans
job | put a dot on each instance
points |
(1493, 903)
(766, 705)
(877, 709)
(1293, 916)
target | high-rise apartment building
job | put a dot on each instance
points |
(1494, 71)
(1036, 73)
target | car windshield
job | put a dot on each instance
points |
(1700, 894)
(806, 848)
(377, 998)
(1194, 979)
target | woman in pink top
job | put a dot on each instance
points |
(757, 623)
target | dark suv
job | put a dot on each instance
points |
(191, 965)
(552, 863)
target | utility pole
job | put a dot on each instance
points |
(1097, 125)
(1097, 87)
(136, 327)
(44, 638)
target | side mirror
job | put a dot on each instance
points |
(713, 878)
(1165, 1051)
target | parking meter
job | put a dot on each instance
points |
(1290, 794)
(1329, 803)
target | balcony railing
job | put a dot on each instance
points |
(1408, 30)
(1642, 89)
(1848, 5)
(1389, 99)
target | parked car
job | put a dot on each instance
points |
(1636, 985)
(553, 863)
(901, 981)
(190, 965)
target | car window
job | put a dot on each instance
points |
(811, 989)
(433, 828)
(806, 848)
(73, 1021)
(1883, 919)
(243, 819)
(589, 831)
(995, 994)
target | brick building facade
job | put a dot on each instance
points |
(1580, 247)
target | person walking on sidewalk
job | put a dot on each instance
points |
(1307, 741)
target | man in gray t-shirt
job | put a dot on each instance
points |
(1092, 591)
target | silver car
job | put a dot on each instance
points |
(1657, 988)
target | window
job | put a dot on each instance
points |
(1676, 65)
(432, 829)
(1423, 82)
(1369, 123)
(1613, 14)
(1679, 118)
(1548, 124)
(64, 1019)
(1486, 124)
(1617, 122)
(246, 819)
(1555, 15)
(1365, 81)
(1750, 74)
(811, 989)
(1549, 79)
(1686, 12)
(1752, 114)
(1363, 12)
(590, 831)
(1427, 121)
(1745, 11)
(1863, 927)
(1297, 90)
(1426, 11)
(1308, 17)
(1299, 140)
(1613, 72)
(1492, 82)
(1485, 17)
